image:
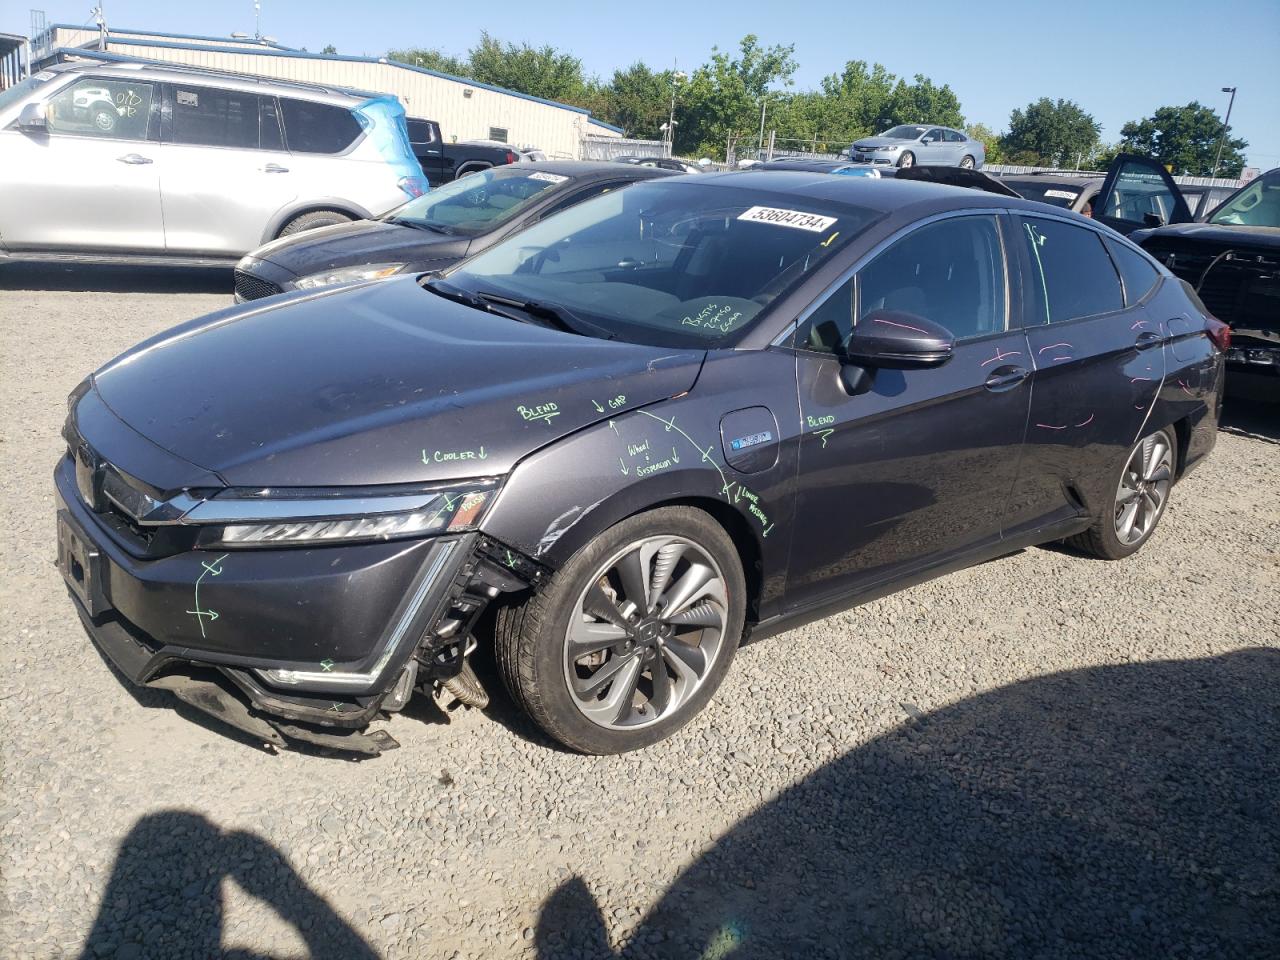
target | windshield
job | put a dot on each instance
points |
(20, 90)
(1256, 204)
(669, 262)
(905, 132)
(477, 203)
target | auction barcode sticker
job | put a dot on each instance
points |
(1061, 194)
(549, 177)
(788, 218)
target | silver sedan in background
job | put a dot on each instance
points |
(919, 143)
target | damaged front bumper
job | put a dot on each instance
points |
(301, 644)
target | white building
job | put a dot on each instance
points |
(465, 110)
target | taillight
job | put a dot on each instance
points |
(414, 186)
(511, 157)
(1218, 332)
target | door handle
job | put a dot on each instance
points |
(1147, 339)
(274, 168)
(1006, 378)
(134, 158)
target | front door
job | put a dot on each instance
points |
(1138, 192)
(1099, 363)
(91, 181)
(919, 468)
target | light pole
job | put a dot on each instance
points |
(669, 130)
(1225, 126)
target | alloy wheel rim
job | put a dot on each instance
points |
(1143, 489)
(645, 633)
(967, 163)
(908, 160)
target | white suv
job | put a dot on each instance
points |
(123, 161)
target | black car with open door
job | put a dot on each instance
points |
(1232, 260)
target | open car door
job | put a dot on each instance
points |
(1138, 193)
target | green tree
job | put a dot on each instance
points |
(639, 100)
(1049, 133)
(329, 48)
(1186, 138)
(724, 97)
(432, 59)
(538, 71)
(923, 102)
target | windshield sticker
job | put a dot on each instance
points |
(45, 75)
(797, 219)
(188, 99)
(548, 177)
(1061, 194)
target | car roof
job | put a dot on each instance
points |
(181, 73)
(587, 169)
(882, 195)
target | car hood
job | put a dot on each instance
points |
(1216, 233)
(880, 142)
(359, 242)
(382, 382)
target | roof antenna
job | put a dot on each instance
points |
(100, 18)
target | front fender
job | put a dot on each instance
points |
(558, 499)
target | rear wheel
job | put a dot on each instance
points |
(316, 218)
(631, 637)
(908, 159)
(966, 162)
(1141, 494)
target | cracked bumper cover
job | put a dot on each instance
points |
(354, 610)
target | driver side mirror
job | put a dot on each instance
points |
(1152, 220)
(33, 118)
(895, 340)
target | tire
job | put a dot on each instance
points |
(1145, 477)
(468, 171)
(966, 162)
(679, 547)
(316, 218)
(908, 159)
(104, 119)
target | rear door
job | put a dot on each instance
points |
(1138, 192)
(1098, 356)
(935, 151)
(90, 182)
(224, 170)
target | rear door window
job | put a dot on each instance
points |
(208, 116)
(1071, 274)
(1137, 272)
(114, 109)
(954, 136)
(317, 127)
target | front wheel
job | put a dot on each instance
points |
(631, 637)
(908, 159)
(312, 220)
(966, 163)
(1141, 494)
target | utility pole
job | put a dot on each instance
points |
(1226, 124)
(669, 130)
(100, 18)
(764, 105)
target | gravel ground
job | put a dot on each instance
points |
(1044, 756)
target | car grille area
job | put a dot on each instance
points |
(249, 287)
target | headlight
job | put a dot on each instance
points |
(268, 518)
(368, 271)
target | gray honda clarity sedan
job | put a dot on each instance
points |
(612, 446)
(910, 144)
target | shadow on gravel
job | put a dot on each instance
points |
(1253, 418)
(116, 279)
(1124, 811)
(164, 898)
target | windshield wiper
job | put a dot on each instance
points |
(561, 317)
(456, 294)
(420, 225)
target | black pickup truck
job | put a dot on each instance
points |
(442, 162)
